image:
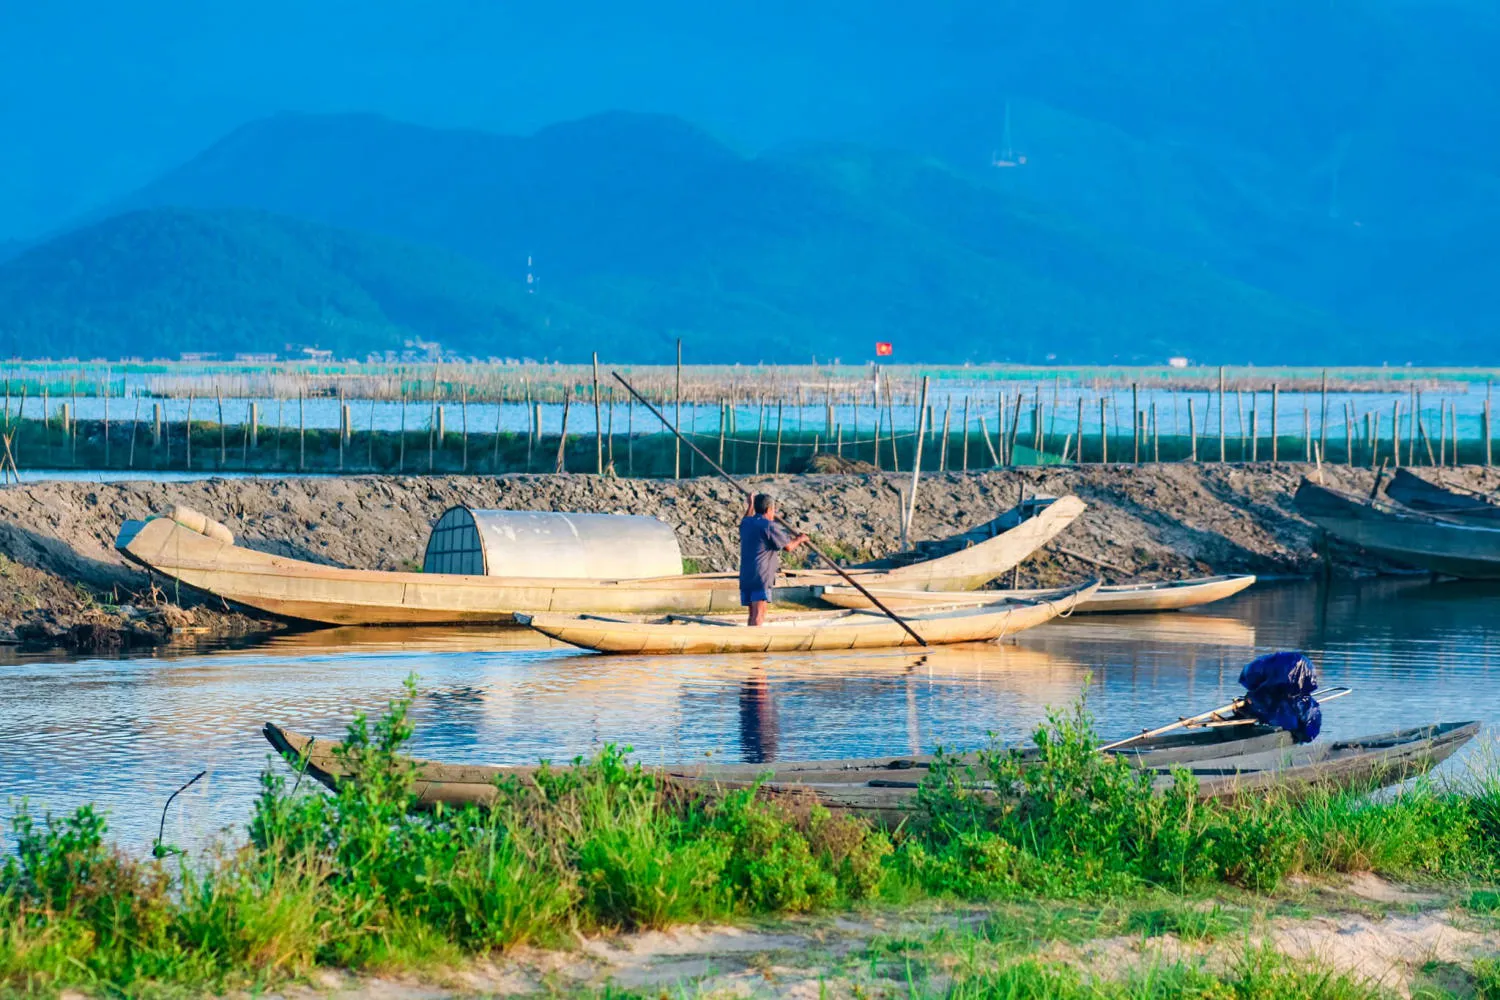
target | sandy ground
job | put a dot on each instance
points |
(1373, 931)
(64, 582)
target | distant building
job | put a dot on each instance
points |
(1177, 362)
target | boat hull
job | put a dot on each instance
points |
(1420, 540)
(1229, 767)
(1410, 490)
(835, 630)
(332, 595)
(1170, 596)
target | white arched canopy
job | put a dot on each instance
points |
(525, 543)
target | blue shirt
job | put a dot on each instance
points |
(761, 542)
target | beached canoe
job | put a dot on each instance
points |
(802, 632)
(1411, 490)
(1229, 762)
(460, 784)
(1425, 541)
(1171, 595)
(203, 555)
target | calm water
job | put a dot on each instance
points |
(125, 733)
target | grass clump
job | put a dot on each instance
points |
(359, 878)
(1068, 821)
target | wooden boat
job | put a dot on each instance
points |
(1230, 762)
(1170, 595)
(291, 588)
(796, 633)
(460, 784)
(1411, 490)
(1425, 541)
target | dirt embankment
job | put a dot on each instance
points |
(64, 583)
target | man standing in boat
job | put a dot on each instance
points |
(762, 540)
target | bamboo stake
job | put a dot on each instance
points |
(810, 544)
(401, 445)
(890, 420)
(777, 469)
(723, 425)
(463, 417)
(1193, 431)
(1452, 423)
(598, 441)
(1349, 435)
(188, 460)
(1080, 425)
(1103, 435)
(1442, 460)
(130, 464)
(916, 464)
(1155, 436)
(1221, 414)
(106, 417)
(301, 426)
(1396, 436)
(1323, 418)
(966, 435)
(760, 434)
(984, 432)
(943, 447)
(1275, 431)
(1135, 424)
(677, 396)
(562, 437)
(1015, 429)
(609, 457)
(1411, 434)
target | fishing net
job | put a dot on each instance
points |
(1278, 692)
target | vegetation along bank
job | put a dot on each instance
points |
(1083, 883)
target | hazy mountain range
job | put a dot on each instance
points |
(1278, 183)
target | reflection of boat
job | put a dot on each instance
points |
(420, 638)
(1149, 629)
(816, 630)
(1228, 764)
(1411, 490)
(210, 561)
(1170, 595)
(1405, 536)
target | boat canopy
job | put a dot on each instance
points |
(528, 543)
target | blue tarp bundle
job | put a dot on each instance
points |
(1279, 687)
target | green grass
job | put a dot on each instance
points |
(358, 880)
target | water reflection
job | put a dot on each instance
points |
(125, 733)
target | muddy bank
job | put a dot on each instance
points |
(64, 583)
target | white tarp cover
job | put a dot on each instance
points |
(526, 543)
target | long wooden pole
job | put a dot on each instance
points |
(740, 486)
(916, 464)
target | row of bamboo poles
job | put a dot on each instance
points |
(1025, 431)
(693, 385)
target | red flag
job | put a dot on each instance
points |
(882, 348)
